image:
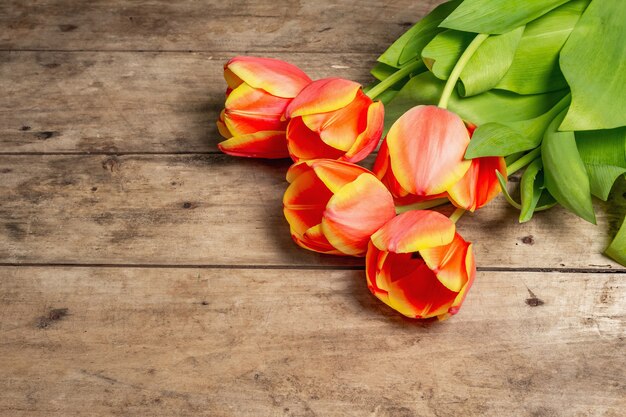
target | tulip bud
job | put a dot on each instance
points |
(333, 207)
(332, 118)
(422, 158)
(418, 265)
(259, 91)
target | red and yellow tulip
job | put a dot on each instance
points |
(259, 91)
(333, 207)
(419, 265)
(422, 159)
(332, 118)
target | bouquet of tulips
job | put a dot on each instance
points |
(474, 92)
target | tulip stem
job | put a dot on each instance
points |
(381, 87)
(422, 206)
(458, 69)
(458, 213)
(523, 161)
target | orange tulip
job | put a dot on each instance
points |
(418, 265)
(259, 91)
(332, 118)
(333, 207)
(422, 159)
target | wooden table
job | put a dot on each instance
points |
(145, 274)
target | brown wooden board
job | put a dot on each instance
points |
(231, 342)
(128, 102)
(219, 210)
(214, 25)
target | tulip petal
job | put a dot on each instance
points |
(381, 163)
(414, 290)
(413, 231)
(337, 174)
(269, 144)
(305, 144)
(448, 263)
(367, 141)
(470, 266)
(323, 96)
(304, 201)
(371, 269)
(479, 185)
(221, 126)
(426, 146)
(246, 100)
(355, 212)
(231, 79)
(341, 128)
(314, 240)
(276, 77)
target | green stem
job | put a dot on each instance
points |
(458, 69)
(394, 78)
(512, 158)
(523, 161)
(422, 206)
(458, 213)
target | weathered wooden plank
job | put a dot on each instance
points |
(212, 25)
(218, 210)
(163, 342)
(128, 102)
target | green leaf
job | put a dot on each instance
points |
(443, 52)
(604, 154)
(505, 138)
(505, 191)
(410, 44)
(546, 201)
(535, 68)
(617, 248)
(593, 61)
(497, 16)
(487, 107)
(564, 171)
(531, 188)
(489, 63)
(382, 71)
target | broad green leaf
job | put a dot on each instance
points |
(442, 53)
(487, 107)
(604, 154)
(410, 44)
(593, 61)
(535, 68)
(564, 171)
(497, 16)
(505, 138)
(489, 63)
(617, 248)
(531, 188)
(382, 71)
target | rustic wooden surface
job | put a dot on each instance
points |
(144, 274)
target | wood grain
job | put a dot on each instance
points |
(128, 102)
(215, 26)
(304, 343)
(219, 210)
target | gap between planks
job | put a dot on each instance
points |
(299, 267)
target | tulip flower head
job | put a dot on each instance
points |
(422, 158)
(259, 91)
(418, 265)
(333, 207)
(332, 118)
